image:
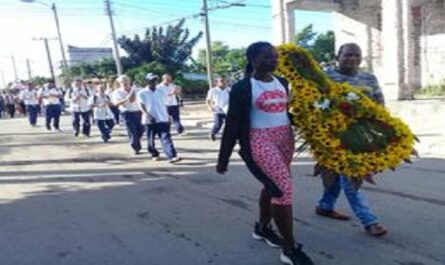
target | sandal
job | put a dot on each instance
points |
(376, 230)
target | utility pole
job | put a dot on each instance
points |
(14, 67)
(48, 53)
(3, 79)
(62, 49)
(205, 15)
(117, 57)
(28, 66)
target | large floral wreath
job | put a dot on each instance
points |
(346, 131)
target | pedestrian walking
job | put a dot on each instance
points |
(125, 99)
(78, 97)
(114, 109)
(51, 96)
(2, 104)
(218, 102)
(29, 96)
(349, 59)
(10, 100)
(100, 103)
(172, 102)
(258, 118)
(152, 102)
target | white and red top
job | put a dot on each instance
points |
(270, 102)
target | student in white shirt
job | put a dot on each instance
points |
(51, 95)
(10, 100)
(78, 96)
(125, 98)
(114, 109)
(155, 118)
(102, 113)
(29, 97)
(172, 101)
(218, 103)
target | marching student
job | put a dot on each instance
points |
(100, 103)
(78, 96)
(29, 97)
(125, 98)
(155, 118)
(50, 96)
(218, 102)
(10, 100)
(172, 101)
(258, 119)
(2, 104)
(114, 109)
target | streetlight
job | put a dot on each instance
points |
(56, 18)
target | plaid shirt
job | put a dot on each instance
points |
(366, 82)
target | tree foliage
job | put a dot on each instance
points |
(171, 47)
(226, 60)
(103, 67)
(321, 45)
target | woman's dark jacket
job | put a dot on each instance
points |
(238, 127)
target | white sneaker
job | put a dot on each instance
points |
(174, 160)
(155, 158)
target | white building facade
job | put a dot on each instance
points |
(403, 41)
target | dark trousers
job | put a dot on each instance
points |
(218, 119)
(162, 130)
(32, 111)
(1, 110)
(135, 130)
(23, 107)
(105, 128)
(11, 110)
(173, 112)
(52, 114)
(116, 113)
(86, 125)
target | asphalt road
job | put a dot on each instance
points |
(67, 201)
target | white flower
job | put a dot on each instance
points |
(351, 96)
(323, 104)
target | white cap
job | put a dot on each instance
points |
(151, 76)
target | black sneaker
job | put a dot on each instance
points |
(267, 235)
(295, 256)
(212, 137)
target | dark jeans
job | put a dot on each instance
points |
(116, 114)
(33, 112)
(173, 112)
(135, 130)
(105, 128)
(218, 119)
(11, 110)
(86, 125)
(162, 130)
(52, 113)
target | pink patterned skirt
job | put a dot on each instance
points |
(272, 150)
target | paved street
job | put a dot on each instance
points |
(67, 201)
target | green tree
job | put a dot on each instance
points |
(104, 67)
(226, 61)
(322, 46)
(171, 47)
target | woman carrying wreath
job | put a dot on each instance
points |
(258, 118)
(349, 58)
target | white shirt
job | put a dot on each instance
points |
(220, 99)
(52, 95)
(270, 102)
(170, 89)
(79, 99)
(29, 97)
(154, 102)
(101, 108)
(120, 94)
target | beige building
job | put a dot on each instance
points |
(403, 41)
